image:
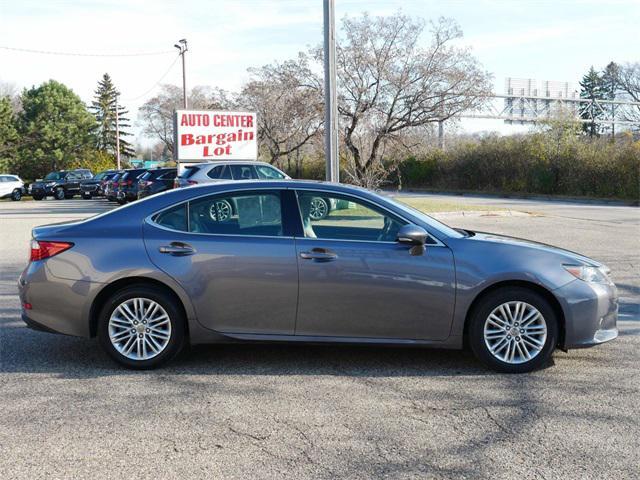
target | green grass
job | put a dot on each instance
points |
(428, 205)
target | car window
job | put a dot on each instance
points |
(53, 176)
(174, 218)
(168, 175)
(266, 173)
(330, 216)
(4, 179)
(243, 172)
(216, 172)
(72, 177)
(254, 213)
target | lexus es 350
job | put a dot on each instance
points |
(246, 261)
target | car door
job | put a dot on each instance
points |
(235, 258)
(72, 182)
(5, 186)
(357, 281)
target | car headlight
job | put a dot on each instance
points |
(588, 273)
(50, 184)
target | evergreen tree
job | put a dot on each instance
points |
(611, 89)
(104, 108)
(55, 127)
(8, 134)
(592, 88)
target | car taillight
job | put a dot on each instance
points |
(129, 182)
(115, 184)
(41, 249)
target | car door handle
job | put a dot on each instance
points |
(177, 249)
(320, 254)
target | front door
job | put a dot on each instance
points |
(357, 281)
(233, 257)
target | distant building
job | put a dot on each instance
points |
(140, 163)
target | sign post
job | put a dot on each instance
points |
(207, 135)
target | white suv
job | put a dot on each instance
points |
(11, 186)
(229, 170)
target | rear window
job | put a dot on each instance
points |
(146, 176)
(243, 172)
(189, 172)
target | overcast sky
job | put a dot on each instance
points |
(542, 39)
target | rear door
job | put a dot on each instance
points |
(234, 256)
(72, 182)
(357, 281)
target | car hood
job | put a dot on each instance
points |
(567, 255)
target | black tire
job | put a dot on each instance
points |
(86, 196)
(38, 197)
(59, 194)
(16, 195)
(121, 201)
(68, 196)
(176, 318)
(496, 298)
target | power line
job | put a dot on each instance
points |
(78, 54)
(155, 84)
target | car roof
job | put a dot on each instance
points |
(229, 162)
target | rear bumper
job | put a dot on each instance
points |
(591, 313)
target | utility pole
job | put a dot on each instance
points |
(117, 134)
(182, 47)
(330, 95)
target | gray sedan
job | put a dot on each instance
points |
(247, 261)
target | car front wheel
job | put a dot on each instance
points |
(58, 194)
(141, 327)
(513, 330)
(16, 195)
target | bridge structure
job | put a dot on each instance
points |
(525, 101)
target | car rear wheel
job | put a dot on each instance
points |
(141, 328)
(16, 195)
(513, 330)
(318, 208)
(59, 194)
(36, 196)
(86, 196)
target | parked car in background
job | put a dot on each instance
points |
(230, 170)
(60, 185)
(89, 188)
(155, 181)
(127, 190)
(387, 275)
(103, 182)
(11, 186)
(111, 186)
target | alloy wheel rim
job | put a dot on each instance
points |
(318, 209)
(139, 329)
(220, 211)
(515, 332)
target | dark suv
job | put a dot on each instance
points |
(156, 181)
(60, 185)
(91, 188)
(127, 190)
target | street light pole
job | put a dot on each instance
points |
(330, 95)
(182, 47)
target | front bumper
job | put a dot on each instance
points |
(590, 311)
(89, 189)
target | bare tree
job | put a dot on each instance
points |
(629, 83)
(287, 98)
(156, 115)
(388, 83)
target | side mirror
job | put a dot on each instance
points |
(412, 235)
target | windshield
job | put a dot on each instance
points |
(100, 176)
(447, 230)
(54, 176)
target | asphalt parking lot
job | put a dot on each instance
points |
(67, 411)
